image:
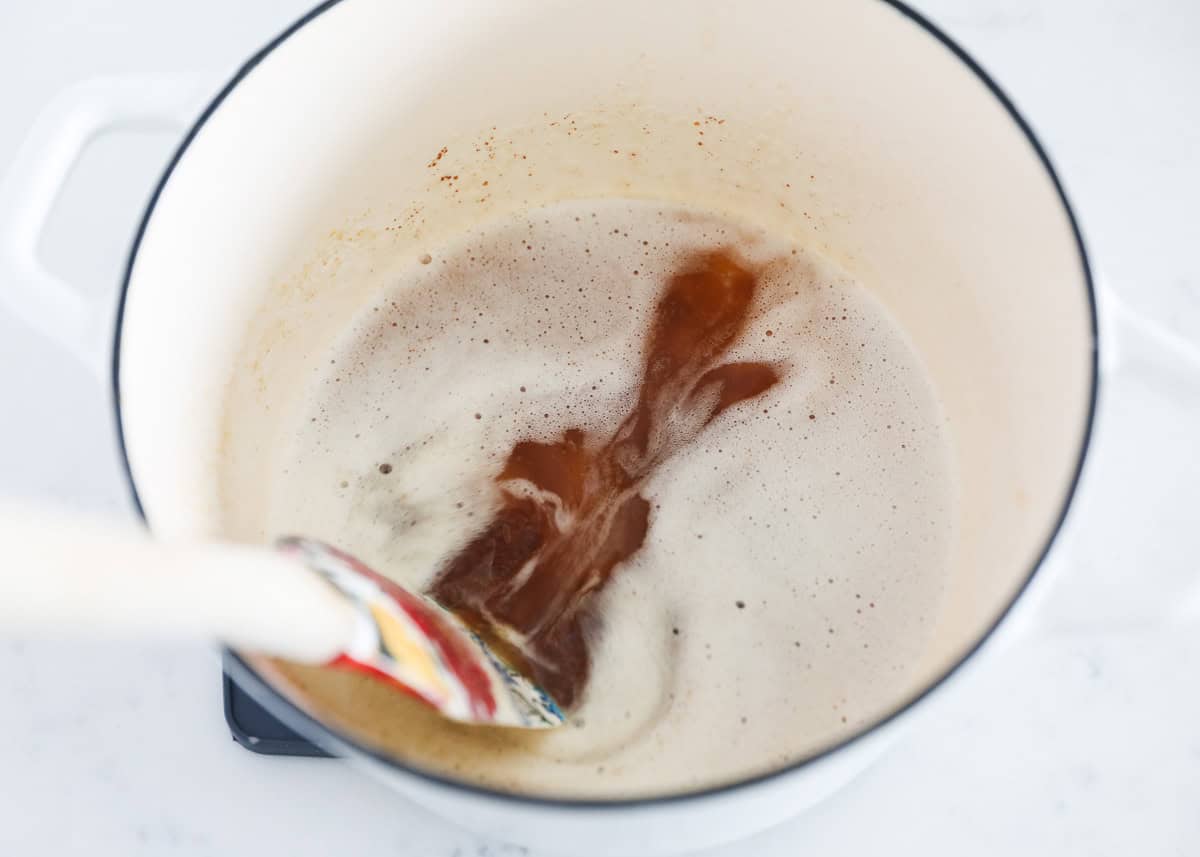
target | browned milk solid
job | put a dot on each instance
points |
(795, 560)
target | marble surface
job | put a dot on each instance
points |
(1084, 739)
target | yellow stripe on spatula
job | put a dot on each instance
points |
(408, 650)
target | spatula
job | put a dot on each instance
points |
(303, 601)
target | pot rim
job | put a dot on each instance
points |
(307, 725)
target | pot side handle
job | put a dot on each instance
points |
(1138, 338)
(1068, 599)
(28, 191)
(1131, 340)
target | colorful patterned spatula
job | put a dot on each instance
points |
(304, 601)
(412, 643)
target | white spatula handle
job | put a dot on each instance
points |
(62, 575)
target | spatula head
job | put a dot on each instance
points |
(412, 643)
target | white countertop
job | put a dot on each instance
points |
(1082, 741)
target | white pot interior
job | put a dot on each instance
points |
(844, 124)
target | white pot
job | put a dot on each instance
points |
(854, 125)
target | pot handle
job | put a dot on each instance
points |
(1130, 338)
(1140, 338)
(55, 142)
(1133, 333)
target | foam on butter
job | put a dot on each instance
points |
(796, 553)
